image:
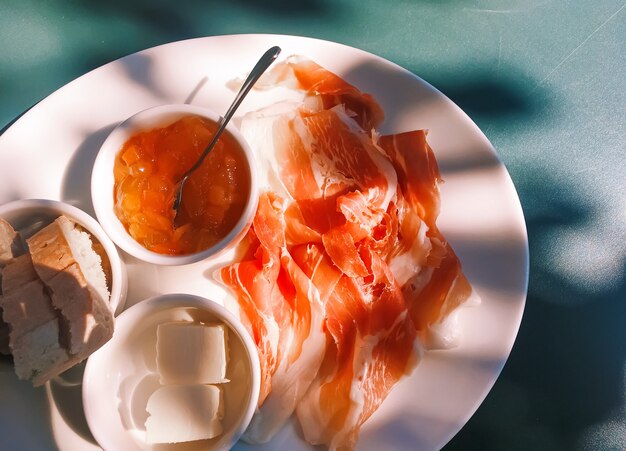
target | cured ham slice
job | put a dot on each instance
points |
(346, 273)
(301, 73)
(282, 311)
(339, 178)
(371, 346)
(433, 294)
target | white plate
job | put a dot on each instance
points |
(50, 150)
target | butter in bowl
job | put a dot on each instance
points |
(180, 372)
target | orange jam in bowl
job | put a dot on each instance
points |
(146, 172)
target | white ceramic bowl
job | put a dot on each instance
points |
(102, 182)
(28, 216)
(121, 375)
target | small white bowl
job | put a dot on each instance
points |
(120, 376)
(28, 216)
(102, 183)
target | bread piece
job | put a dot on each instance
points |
(35, 353)
(26, 309)
(38, 355)
(17, 273)
(61, 244)
(36, 333)
(89, 318)
(50, 251)
(64, 259)
(39, 338)
(56, 366)
(10, 247)
(10, 243)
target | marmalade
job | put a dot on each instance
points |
(147, 170)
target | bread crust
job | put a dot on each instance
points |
(50, 251)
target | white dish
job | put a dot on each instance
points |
(481, 215)
(121, 375)
(102, 182)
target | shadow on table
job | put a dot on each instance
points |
(486, 96)
(25, 424)
(564, 384)
(287, 7)
(160, 12)
(172, 21)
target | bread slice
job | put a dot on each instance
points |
(35, 330)
(39, 336)
(38, 355)
(89, 318)
(17, 273)
(10, 247)
(10, 243)
(26, 300)
(26, 309)
(64, 259)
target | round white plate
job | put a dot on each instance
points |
(49, 152)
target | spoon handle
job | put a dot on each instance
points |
(256, 72)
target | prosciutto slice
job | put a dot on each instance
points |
(371, 345)
(346, 272)
(338, 177)
(432, 294)
(300, 73)
(282, 311)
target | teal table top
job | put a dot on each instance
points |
(545, 80)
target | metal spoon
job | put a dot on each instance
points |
(261, 66)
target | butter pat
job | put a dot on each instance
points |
(191, 353)
(183, 413)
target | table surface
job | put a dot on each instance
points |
(545, 80)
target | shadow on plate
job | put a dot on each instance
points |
(400, 430)
(66, 393)
(76, 185)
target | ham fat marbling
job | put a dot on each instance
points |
(345, 272)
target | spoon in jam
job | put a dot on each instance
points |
(260, 67)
